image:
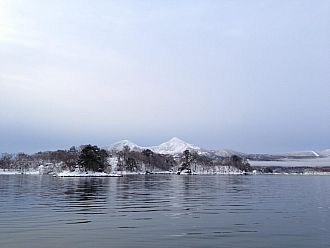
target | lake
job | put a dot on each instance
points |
(165, 211)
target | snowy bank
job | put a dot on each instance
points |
(13, 172)
(85, 174)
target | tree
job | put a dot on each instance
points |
(148, 153)
(93, 158)
(22, 161)
(187, 156)
(6, 161)
(239, 163)
(131, 164)
(126, 150)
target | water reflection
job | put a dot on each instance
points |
(86, 189)
(83, 196)
(169, 210)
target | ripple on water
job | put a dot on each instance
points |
(167, 210)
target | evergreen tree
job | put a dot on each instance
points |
(93, 158)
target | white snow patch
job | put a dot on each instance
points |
(316, 155)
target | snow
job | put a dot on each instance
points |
(216, 170)
(86, 174)
(11, 172)
(41, 171)
(316, 155)
(308, 162)
(113, 162)
(172, 147)
(302, 154)
(177, 146)
(119, 146)
(227, 153)
(325, 153)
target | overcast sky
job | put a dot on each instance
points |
(247, 75)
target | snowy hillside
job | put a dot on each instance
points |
(325, 153)
(302, 154)
(227, 153)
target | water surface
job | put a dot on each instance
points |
(165, 211)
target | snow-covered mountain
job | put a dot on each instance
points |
(119, 146)
(172, 147)
(177, 146)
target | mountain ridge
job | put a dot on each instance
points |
(173, 146)
(176, 146)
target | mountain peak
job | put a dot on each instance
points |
(118, 146)
(174, 146)
(176, 140)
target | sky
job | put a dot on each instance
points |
(252, 76)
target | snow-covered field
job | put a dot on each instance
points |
(311, 162)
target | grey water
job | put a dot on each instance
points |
(165, 211)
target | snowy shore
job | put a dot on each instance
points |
(127, 173)
(86, 174)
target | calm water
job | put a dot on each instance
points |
(165, 211)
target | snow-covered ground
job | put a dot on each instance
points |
(311, 162)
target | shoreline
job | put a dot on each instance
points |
(126, 173)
